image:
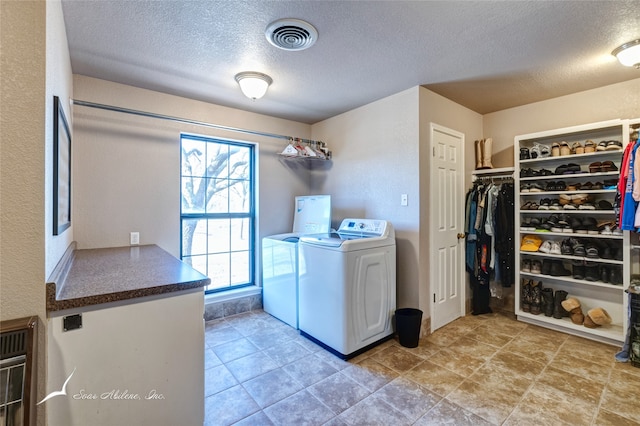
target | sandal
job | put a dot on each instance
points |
(595, 167)
(614, 146)
(577, 148)
(555, 149)
(602, 146)
(587, 186)
(608, 166)
(589, 146)
(526, 206)
(564, 148)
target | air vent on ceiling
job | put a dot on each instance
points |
(291, 34)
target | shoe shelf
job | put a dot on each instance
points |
(571, 257)
(613, 333)
(571, 234)
(561, 161)
(575, 175)
(572, 158)
(588, 212)
(546, 278)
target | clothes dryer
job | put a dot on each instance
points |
(312, 214)
(347, 286)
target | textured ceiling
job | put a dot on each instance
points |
(485, 55)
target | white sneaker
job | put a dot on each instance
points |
(545, 247)
(555, 248)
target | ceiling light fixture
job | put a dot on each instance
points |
(253, 84)
(629, 54)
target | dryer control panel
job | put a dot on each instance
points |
(369, 227)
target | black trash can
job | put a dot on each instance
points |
(408, 322)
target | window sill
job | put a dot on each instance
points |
(225, 296)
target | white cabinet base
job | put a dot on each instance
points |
(133, 364)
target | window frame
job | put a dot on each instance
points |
(250, 215)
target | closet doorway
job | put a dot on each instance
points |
(446, 225)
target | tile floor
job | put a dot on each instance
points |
(484, 370)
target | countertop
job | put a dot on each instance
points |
(96, 276)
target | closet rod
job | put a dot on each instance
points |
(181, 120)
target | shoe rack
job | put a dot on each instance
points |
(565, 197)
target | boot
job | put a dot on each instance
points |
(536, 298)
(572, 305)
(558, 310)
(547, 301)
(478, 155)
(526, 296)
(486, 153)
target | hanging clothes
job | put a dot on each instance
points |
(489, 228)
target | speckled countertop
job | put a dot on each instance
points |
(96, 276)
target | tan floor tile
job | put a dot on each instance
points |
(373, 411)
(621, 395)
(397, 358)
(442, 337)
(580, 367)
(408, 397)
(370, 374)
(298, 409)
(338, 392)
(506, 326)
(626, 368)
(435, 378)
(536, 348)
(486, 334)
(562, 383)
(493, 405)
(424, 350)
(448, 413)
(459, 361)
(596, 352)
(539, 408)
(271, 387)
(607, 418)
(545, 333)
(516, 364)
(495, 376)
(229, 406)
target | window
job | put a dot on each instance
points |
(217, 210)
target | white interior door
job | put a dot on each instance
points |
(446, 222)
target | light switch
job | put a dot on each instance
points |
(404, 200)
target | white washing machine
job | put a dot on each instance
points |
(347, 286)
(312, 214)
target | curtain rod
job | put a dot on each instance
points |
(182, 120)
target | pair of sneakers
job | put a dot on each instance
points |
(550, 247)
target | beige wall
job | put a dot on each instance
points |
(375, 160)
(620, 100)
(127, 167)
(22, 168)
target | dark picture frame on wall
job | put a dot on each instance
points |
(61, 169)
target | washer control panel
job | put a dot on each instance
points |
(369, 227)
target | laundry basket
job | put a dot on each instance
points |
(408, 322)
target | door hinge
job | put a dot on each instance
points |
(434, 298)
(434, 151)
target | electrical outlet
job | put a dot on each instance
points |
(404, 200)
(134, 238)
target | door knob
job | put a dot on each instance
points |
(460, 236)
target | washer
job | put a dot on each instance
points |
(312, 214)
(347, 286)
